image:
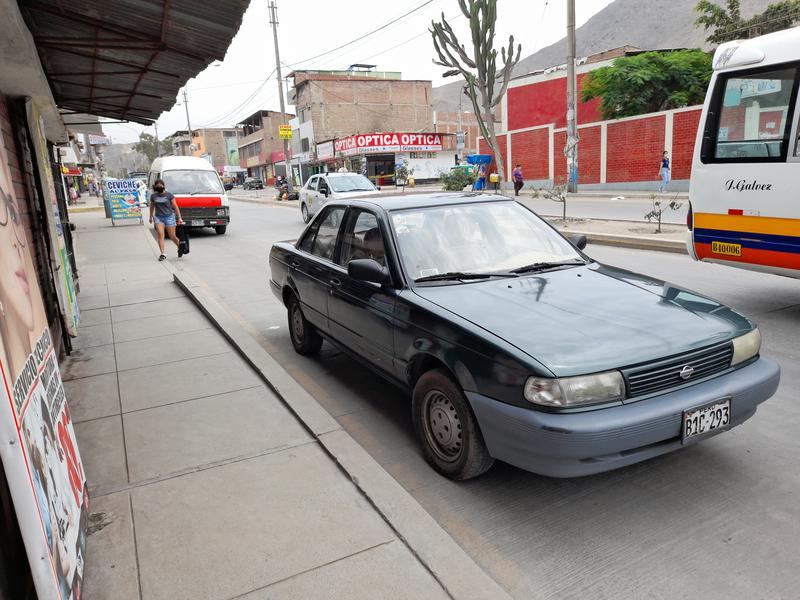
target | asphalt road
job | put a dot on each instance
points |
(717, 520)
(627, 208)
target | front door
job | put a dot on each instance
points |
(311, 268)
(361, 313)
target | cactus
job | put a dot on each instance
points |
(479, 70)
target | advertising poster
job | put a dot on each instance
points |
(62, 269)
(37, 441)
(123, 194)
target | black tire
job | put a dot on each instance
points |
(304, 213)
(305, 338)
(221, 229)
(447, 429)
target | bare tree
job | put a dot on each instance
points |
(660, 208)
(479, 69)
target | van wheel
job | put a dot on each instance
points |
(305, 338)
(221, 229)
(304, 212)
(447, 428)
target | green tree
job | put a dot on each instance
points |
(486, 84)
(147, 146)
(727, 24)
(649, 82)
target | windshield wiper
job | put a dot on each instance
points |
(459, 275)
(541, 266)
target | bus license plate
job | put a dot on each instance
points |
(197, 222)
(706, 419)
(726, 248)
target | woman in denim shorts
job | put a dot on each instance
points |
(164, 212)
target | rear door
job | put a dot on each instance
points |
(312, 267)
(361, 314)
(309, 194)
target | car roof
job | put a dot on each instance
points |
(172, 163)
(426, 200)
(339, 174)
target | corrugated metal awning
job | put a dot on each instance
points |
(127, 59)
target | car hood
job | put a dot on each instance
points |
(590, 318)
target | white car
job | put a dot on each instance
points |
(332, 186)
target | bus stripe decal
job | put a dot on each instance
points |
(783, 243)
(747, 224)
(784, 260)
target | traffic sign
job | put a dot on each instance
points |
(285, 132)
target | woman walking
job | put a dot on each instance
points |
(164, 212)
(664, 172)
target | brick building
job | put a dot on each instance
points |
(259, 141)
(612, 154)
(220, 146)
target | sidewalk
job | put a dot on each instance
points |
(210, 482)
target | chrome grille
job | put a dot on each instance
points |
(663, 374)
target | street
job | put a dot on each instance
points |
(715, 520)
(629, 209)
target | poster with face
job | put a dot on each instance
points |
(38, 446)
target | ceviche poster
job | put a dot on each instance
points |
(38, 448)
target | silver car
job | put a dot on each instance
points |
(332, 186)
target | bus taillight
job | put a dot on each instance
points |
(689, 219)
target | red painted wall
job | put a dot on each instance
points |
(532, 150)
(684, 132)
(589, 155)
(545, 102)
(634, 149)
(484, 149)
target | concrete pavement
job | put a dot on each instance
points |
(209, 481)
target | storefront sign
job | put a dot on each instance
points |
(123, 195)
(325, 150)
(376, 143)
(285, 132)
(60, 264)
(97, 140)
(37, 442)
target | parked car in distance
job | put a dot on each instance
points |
(321, 188)
(514, 344)
(253, 183)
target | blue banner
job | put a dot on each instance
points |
(123, 195)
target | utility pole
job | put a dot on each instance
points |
(273, 19)
(571, 149)
(158, 143)
(188, 124)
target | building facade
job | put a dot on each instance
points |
(219, 146)
(259, 140)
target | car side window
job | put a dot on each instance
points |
(322, 183)
(307, 243)
(312, 184)
(325, 240)
(363, 239)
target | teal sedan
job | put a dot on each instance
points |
(513, 344)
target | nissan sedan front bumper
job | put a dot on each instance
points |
(584, 443)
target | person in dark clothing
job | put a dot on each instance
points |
(166, 214)
(519, 180)
(664, 172)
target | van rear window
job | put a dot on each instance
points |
(187, 181)
(753, 115)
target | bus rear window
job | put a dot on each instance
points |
(755, 113)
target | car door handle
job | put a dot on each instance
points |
(336, 282)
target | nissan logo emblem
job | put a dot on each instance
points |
(686, 372)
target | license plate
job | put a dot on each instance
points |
(197, 222)
(726, 248)
(699, 421)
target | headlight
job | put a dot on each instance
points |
(746, 346)
(575, 391)
(221, 212)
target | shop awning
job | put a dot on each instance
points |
(73, 171)
(127, 59)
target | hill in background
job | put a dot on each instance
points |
(647, 24)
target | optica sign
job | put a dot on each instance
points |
(388, 142)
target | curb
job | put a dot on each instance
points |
(83, 209)
(447, 562)
(634, 242)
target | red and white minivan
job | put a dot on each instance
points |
(197, 188)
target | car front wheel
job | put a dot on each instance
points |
(305, 338)
(304, 213)
(447, 429)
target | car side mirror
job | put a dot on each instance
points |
(324, 191)
(366, 269)
(578, 240)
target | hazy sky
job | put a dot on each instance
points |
(223, 94)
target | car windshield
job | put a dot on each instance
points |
(186, 181)
(486, 237)
(351, 183)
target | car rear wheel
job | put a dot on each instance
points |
(304, 212)
(447, 429)
(221, 229)
(305, 338)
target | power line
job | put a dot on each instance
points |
(384, 26)
(426, 32)
(246, 101)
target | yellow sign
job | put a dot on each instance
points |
(494, 177)
(285, 132)
(726, 248)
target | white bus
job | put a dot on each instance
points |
(745, 184)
